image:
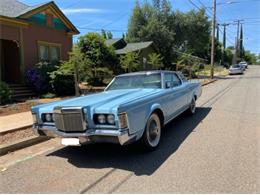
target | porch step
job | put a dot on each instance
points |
(21, 92)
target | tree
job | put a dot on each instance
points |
(170, 30)
(109, 35)
(155, 60)
(129, 61)
(106, 34)
(92, 59)
(241, 46)
(103, 33)
(250, 58)
(148, 23)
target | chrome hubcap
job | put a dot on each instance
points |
(193, 106)
(153, 132)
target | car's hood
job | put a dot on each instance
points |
(100, 102)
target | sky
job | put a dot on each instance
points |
(113, 15)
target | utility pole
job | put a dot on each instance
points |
(213, 40)
(237, 41)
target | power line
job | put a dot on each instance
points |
(99, 29)
(116, 20)
(206, 8)
(240, 19)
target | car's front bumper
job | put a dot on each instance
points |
(120, 136)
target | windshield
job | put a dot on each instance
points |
(136, 81)
(236, 66)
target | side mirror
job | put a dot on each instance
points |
(168, 84)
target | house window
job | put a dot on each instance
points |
(49, 52)
(44, 53)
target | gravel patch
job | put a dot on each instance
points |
(16, 135)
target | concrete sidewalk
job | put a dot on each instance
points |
(15, 121)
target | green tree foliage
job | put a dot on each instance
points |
(169, 30)
(106, 34)
(250, 58)
(109, 35)
(241, 46)
(97, 56)
(93, 59)
(155, 60)
(5, 93)
(103, 33)
(129, 62)
(228, 56)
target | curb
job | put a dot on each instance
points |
(209, 82)
(15, 129)
(4, 149)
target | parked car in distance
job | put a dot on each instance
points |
(134, 106)
(236, 69)
(244, 64)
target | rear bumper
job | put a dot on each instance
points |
(120, 136)
(235, 71)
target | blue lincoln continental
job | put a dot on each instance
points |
(134, 106)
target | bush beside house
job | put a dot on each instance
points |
(5, 93)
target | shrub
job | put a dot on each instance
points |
(5, 93)
(63, 84)
(38, 77)
(48, 95)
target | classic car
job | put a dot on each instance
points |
(133, 107)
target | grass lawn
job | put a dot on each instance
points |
(218, 71)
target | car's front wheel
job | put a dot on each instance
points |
(152, 134)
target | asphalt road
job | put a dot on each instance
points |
(215, 151)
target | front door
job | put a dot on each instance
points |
(10, 61)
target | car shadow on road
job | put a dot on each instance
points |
(131, 157)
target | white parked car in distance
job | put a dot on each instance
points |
(236, 69)
(244, 64)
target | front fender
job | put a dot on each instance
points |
(149, 112)
(138, 116)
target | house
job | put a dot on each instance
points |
(142, 48)
(29, 34)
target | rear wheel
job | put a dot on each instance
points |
(152, 134)
(192, 108)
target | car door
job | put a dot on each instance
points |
(175, 99)
(180, 90)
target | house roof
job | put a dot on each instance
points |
(16, 10)
(110, 42)
(131, 47)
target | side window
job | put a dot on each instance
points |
(176, 80)
(168, 77)
(183, 78)
(173, 78)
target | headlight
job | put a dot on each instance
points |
(123, 121)
(34, 117)
(111, 119)
(101, 119)
(48, 117)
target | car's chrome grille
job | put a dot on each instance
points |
(69, 119)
